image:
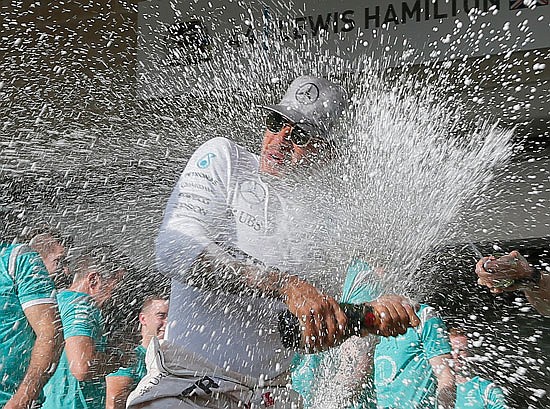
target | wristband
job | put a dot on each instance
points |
(536, 276)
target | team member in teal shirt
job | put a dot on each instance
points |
(476, 392)
(479, 393)
(30, 334)
(81, 318)
(152, 319)
(410, 370)
(79, 380)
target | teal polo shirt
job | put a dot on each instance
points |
(24, 282)
(479, 393)
(403, 377)
(80, 317)
(137, 370)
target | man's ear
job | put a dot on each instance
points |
(141, 318)
(93, 279)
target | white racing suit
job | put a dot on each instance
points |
(221, 198)
(179, 379)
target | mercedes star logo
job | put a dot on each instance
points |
(307, 93)
(252, 192)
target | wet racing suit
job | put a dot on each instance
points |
(222, 199)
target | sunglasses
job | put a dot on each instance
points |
(298, 136)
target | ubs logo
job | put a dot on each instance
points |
(252, 192)
(245, 218)
(307, 94)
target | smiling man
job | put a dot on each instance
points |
(227, 242)
(152, 320)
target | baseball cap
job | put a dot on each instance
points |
(314, 103)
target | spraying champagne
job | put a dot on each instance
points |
(488, 265)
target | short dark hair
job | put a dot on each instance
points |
(105, 259)
(149, 301)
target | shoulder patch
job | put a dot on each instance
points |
(205, 161)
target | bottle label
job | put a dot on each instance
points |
(370, 319)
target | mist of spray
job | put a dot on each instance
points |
(409, 163)
(411, 155)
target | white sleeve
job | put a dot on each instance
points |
(197, 211)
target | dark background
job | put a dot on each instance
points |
(515, 342)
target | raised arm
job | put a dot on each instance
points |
(437, 347)
(533, 281)
(446, 386)
(45, 322)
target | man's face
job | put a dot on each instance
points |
(153, 319)
(460, 352)
(101, 289)
(280, 155)
(51, 251)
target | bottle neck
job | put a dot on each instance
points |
(361, 318)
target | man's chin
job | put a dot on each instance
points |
(272, 169)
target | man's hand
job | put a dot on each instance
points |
(394, 315)
(504, 274)
(495, 273)
(323, 321)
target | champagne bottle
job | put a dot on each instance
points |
(361, 319)
(504, 283)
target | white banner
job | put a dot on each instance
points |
(175, 38)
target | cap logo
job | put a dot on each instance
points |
(307, 93)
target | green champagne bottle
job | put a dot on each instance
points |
(361, 319)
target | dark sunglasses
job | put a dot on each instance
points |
(298, 136)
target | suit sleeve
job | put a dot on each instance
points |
(197, 211)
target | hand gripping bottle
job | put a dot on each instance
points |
(511, 264)
(361, 320)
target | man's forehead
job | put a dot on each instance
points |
(157, 306)
(459, 341)
(160, 303)
(58, 247)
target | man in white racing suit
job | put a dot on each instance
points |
(228, 244)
